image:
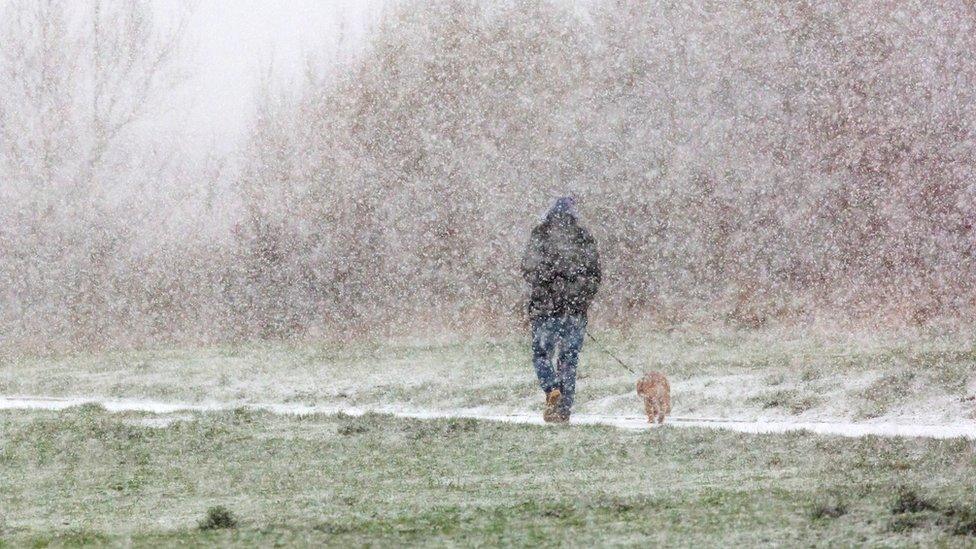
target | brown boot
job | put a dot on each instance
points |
(551, 413)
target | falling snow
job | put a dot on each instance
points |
(310, 327)
(740, 164)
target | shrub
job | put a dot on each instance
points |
(788, 399)
(962, 521)
(909, 501)
(352, 429)
(357, 425)
(828, 510)
(218, 518)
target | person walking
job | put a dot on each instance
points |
(562, 266)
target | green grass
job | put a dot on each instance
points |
(793, 401)
(87, 477)
(886, 392)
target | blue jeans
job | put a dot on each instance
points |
(556, 344)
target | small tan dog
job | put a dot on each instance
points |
(656, 392)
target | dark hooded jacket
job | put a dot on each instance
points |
(562, 266)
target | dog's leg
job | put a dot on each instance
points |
(665, 408)
(650, 410)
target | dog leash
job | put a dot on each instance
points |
(613, 356)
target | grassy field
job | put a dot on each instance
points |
(809, 374)
(84, 476)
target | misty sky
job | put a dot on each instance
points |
(234, 42)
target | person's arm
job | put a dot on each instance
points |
(532, 259)
(592, 273)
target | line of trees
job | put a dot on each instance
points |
(738, 162)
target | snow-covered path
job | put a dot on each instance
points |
(960, 429)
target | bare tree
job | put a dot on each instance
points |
(743, 163)
(75, 77)
(81, 85)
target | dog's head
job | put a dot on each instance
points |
(644, 386)
(648, 384)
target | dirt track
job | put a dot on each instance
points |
(961, 429)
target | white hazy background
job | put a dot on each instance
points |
(234, 44)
